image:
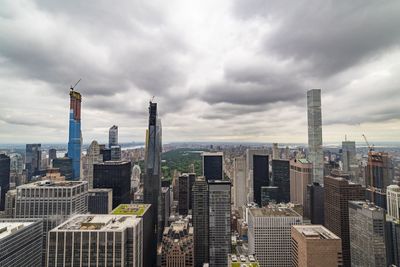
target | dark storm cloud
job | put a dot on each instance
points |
(331, 36)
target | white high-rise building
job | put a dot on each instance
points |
(239, 182)
(393, 201)
(269, 234)
(93, 156)
(97, 240)
(315, 153)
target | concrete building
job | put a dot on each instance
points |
(75, 134)
(213, 165)
(4, 178)
(281, 179)
(276, 153)
(97, 240)
(20, 242)
(149, 243)
(93, 156)
(177, 245)
(316, 155)
(314, 245)
(113, 136)
(300, 177)
(115, 175)
(269, 234)
(378, 175)
(349, 159)
(393, 201)
(367, 234)
(242, 261)
(100, 200)
(338, 192)
(239, 182)
(219, 222)
(200, 221)
(52, 201)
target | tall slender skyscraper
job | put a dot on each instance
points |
(316, 155)
(349, 158)
(75, 134)
(152, 179)
(33, 157)
(113, 136)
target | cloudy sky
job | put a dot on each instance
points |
(220, 70)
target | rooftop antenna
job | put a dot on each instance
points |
(72, 87)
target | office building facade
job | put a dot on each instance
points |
(239, 182)
(21, 242)
(75, 134)
(4, 178)
(65, 166)
(269, 234)
(338, 192)
(33, 159)
(281, 178)
(183, 194)
(250, 171)
(316, 155)
(200, 220)
(115, 175)
(260, 176)
(100, 200)
(300, 177)
(314, 207)
(219, 222)
(367, 234)
(97, 240)
(213, 165)
(314, 245)
(113, 136)
(93, 156)
(349, 158)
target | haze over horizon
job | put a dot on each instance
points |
(229, 71)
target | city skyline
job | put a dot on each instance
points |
(243, 81)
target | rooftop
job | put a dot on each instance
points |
(315, 232)
(98, 222)
(242, 261)
(49, 183)
(131, 209)
(303, 161)
(8, 228)
(274, 212)
(212, 153)
(100, 190)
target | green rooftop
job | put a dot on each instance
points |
(241, 264)
(131, 209)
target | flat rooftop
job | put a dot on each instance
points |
(274, 212)
(131, 209)
(98, 222)
(242, 260)
(100, 190)
(48, 183)
(9, 228)
(315, 232)
(212, 153)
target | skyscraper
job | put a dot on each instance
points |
(316, 155)
(269, 234)
(113, 136)
(183, 194)
(75, 134)
(239, 181)
(393, 225)
(213, 165)
(177, 245)
(115, 175)
(4, 178)
(93, 156)
(52, 155)
(281, 178)
(97, 240)
(200, 220)
(393, 201)
(250, 171)
(379, 174)
(165, 206)
(219, 201)
(152, 177)
(300, 177)
(100, 200)
(367, 234)
(33, 157)
(349, 159)
(260, 176)
(338, 193)
(314, 245)
(65, 166)
(314, 206)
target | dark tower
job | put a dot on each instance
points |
(4, 178)
(260, 176)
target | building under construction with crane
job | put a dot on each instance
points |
(75, 134)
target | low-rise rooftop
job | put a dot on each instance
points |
(315, 232)
(242, 261)
(9, 228)
(98, 222)
(274, 212)
(131, 209)
(49, 183)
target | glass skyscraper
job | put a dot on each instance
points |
(75, 135)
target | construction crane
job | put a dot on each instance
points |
(371, 148)
(72, 87)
